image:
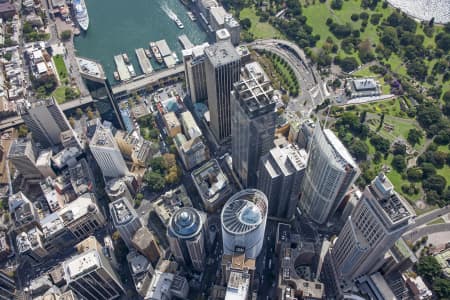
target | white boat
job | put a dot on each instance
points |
(125, 58)
(148, 53)
(192, 16)
(116, 75)
(81, 14)
(156, 52)
(131, 70)
(178, 22)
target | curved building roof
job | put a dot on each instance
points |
(185, 223)
(244, 212)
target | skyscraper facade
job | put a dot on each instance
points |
(243, 221)
(222, 71)
(329, 174)
(252, 122)
(22, 154)
(195, 74)
(280, 176)
(125, 219)
(46, 121)
(91, 276)
(379, 219)
(106, 152)
(100, 89)
(186, 233)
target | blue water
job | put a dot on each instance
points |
(120, 26)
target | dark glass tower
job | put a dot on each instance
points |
(100, 89)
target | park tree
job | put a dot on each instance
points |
(348, 64)
(359, 149)
(66, 35)
(399, 163)
(336, 4)
(72, 122)
(23, 131)
(246, 23)
(79, 112)
(414, 136)
(414, 174)
(427, 169)
(399, 149)
(157, 164)
(428, 267)
(436, 183)
(441, 286)
(380, 143)
(155, 181)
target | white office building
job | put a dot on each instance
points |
(107, 153)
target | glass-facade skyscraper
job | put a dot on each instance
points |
(100, 89)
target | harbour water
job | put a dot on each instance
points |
(118, 26)
(425, 9)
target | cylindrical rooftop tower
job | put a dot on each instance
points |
(243, 221)
(186, 237)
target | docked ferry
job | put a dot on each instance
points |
(156, 52)
(81, 14)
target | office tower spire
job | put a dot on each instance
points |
(253, 122)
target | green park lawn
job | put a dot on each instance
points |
(60, 94)
(260, 30)
(60, 67)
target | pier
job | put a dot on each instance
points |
(144, 63)
(185, 42)
(122, 69)
(163, 48)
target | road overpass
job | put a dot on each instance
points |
(16, 121)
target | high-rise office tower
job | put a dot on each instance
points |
(91, 276)
(222, 71)
(186, 233)
(280, 175)
(379, 219)
(252, 122)
(107, 153)
(22, 154)
(329, 174)
(125, 219)
(98, 85)
(195, 73)
(46, 121)
(243, 221)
